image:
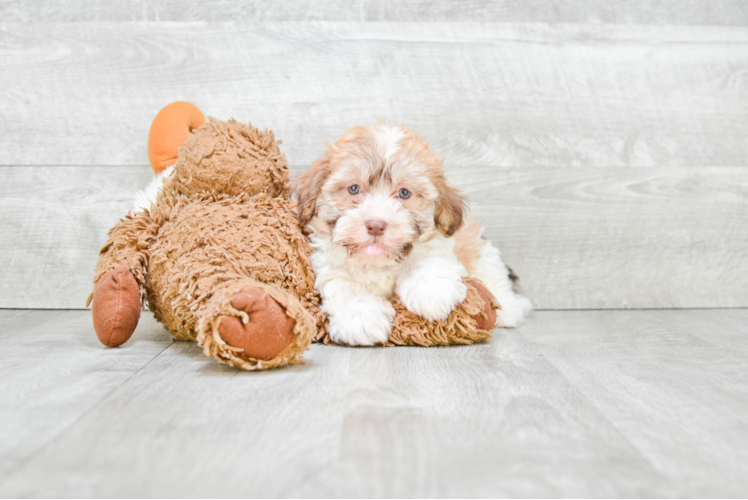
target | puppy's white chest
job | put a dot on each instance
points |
(377, 281)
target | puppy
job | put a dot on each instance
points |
(383, 220)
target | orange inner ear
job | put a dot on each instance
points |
(170, 129)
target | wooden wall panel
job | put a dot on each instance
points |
(482, 93)
(53, 220)
(603, 145)
(589, 238)
(579, 238)
(686, 12)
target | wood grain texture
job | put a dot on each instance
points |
(54, 371)
(587, 238)
(53, 221)
(470, 422)
(688, 12)
(481, 93)
(669, 382)
(233, 431)
(575, 403)
(579, 238)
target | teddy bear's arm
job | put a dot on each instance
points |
(119, 280)
(127, 246)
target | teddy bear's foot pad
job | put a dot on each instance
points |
(485, 320)
(116, 306)
(267, 333)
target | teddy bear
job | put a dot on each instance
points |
(218, 254)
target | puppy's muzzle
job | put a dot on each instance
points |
(376, 227)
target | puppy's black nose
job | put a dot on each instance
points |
(376, 227)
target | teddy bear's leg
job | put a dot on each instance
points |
(254, 326)
(119, 282)
(469, 322)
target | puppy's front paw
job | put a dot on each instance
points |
(362, 321)
(433, 290)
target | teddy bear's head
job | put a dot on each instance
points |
(231, 158)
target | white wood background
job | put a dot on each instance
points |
(605, 146)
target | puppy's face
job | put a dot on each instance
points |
(376, 192)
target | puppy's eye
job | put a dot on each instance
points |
(404, 194)
(355, 189)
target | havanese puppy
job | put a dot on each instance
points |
(383, 221)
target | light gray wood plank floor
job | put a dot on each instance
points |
(574, 403)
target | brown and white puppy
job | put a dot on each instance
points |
(383, 220)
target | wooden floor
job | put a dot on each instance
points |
(574, 403)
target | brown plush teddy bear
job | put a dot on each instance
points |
(220, 258)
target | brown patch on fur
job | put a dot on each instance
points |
(380, 174)
(516, 288)
(450, 209)
(405, 251)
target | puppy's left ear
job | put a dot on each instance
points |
(450, 210)
(307, 186)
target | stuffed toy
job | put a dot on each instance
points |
(217, 253)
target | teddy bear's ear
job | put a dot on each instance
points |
(307, 186)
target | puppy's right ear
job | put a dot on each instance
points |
(307, 186)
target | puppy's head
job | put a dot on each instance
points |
(376, 192)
